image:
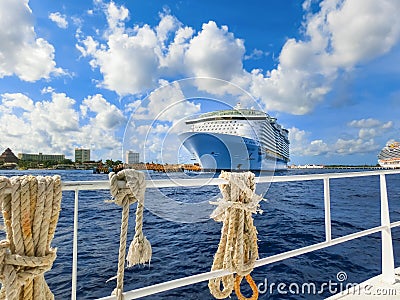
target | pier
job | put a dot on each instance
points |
(164, 168)
(338, 167)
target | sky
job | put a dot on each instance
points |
(119, 75)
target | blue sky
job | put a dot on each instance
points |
(110, 76)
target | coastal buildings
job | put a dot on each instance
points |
(131, 157)
(82, 155)
(8, 157)
(40, 157)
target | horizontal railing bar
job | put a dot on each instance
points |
(395, 224)
(169, 285)
(192, 182)
(176, 182)
(315, 247)
(85, 185)
(172, 284)
(325, 175)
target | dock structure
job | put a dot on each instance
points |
(164, 168)
(172, 168)
(356, 167)
(105, 169)
(338, 167)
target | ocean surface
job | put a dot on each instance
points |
(184, 239)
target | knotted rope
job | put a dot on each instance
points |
(30, 215)
(237, 249)
(131, 190)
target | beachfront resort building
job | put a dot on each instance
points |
(40, 157)
(82, 155)
(131, 157)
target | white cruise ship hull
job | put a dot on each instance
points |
(217, 151)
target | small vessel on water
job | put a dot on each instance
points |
(389, 157)
(237, 139)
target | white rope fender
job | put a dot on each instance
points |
(30, 215)
(133, 190)
(237, 249)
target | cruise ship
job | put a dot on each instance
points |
(389, 157)
(237, 139)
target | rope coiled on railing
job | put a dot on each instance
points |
(133, 190)
(30, 215)
(237, 249)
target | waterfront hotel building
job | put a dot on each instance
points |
(40, 157)
(82, 155)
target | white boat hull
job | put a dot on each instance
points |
(217, 151)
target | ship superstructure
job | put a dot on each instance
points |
(389, 157)
(237, 139)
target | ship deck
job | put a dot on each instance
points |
(381, 284)
(384, 286)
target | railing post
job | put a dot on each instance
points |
(327, 205)
(388, 274)
(75, 247)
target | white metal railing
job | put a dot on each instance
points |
(388, 273)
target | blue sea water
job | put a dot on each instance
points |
(184, 240)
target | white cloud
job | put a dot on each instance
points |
(135, 59)
(59, 19)
(128, 62)
(362, 29)
(172, 62)
(307, 4)
(341, 35)
(355, 146)
(107, 116)
(116, 16)
(89, 47)
(55, 116)
(317, 147)
(47, 89)
(168, 103)
(156, 120)
(21, 52)
(215, 52)
(55, 125)
(301, 146)
(364, 123)
(255, 54)
(363, 141)
(370, 128)
(17, 101)
(167, 26)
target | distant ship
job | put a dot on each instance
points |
(389, 157)
(237, 139)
